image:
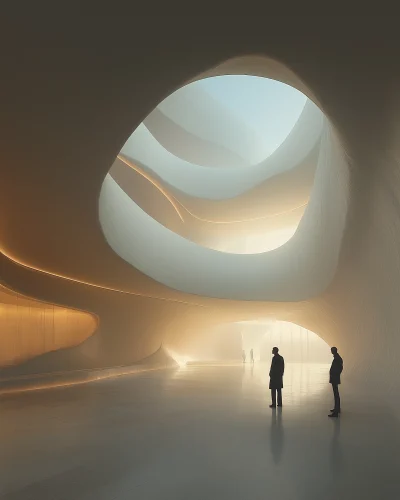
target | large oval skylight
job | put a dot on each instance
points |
(223, 123)
(169, 210)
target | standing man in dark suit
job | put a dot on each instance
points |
(334, 379)
(276, 377)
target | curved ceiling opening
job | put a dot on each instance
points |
(176, 199)
(215, 125)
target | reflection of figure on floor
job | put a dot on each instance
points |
(244, 356)
(276, 436)
(334, 379)
(276, 377)
(336, 457)
(252, 371)
(251, 355)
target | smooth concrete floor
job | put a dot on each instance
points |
(198, 433)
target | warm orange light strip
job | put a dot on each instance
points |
(94, 378)
(174, 201)
(156, 184)
(93, 285)
(262, 217)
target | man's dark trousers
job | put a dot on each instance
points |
(273, 396)
(335, 388)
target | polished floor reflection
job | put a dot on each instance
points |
(198, 433)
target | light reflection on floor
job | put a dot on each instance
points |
(300, 380)
(198, 433)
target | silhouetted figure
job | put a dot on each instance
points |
(251, 355)
(244, 356)
(334, 379)
(276, 377)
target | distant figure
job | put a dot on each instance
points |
(251, 355)
(334, 379)
(276, 377)
(244, 356)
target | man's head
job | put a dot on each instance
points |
(275, 350)
(334, 350)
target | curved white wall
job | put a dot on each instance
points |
(298, 270)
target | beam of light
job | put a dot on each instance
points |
(174, 201)
(182, 360)
(19, 263)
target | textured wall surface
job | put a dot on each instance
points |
(29, 328)
(67, 112)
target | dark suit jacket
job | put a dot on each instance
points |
(336, 369)
(276, 372)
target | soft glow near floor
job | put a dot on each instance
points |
(181, 359)
(296, 344)
(300, 380)
(199, 433)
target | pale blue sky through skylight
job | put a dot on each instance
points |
(270, 107)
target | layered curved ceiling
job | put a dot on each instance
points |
(67, 113)
(144, 150)
(189, 250)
